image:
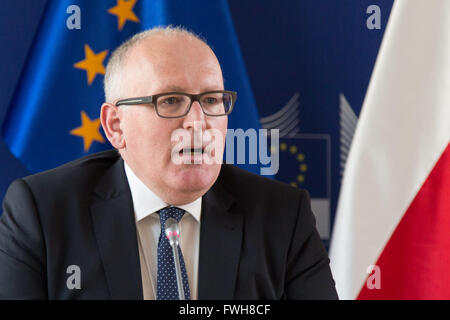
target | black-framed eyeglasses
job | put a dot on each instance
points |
(177, 104)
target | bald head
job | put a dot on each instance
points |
(156, 43)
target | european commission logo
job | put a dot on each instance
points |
(305, 159)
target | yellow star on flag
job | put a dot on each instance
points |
(93, 63)
(124, 11)
(89, 131)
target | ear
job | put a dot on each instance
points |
(110, 118)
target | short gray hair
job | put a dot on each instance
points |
(114, 66)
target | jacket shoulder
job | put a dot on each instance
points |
(79, 171)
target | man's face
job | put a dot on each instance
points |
(158, 65)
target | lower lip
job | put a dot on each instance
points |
(192, 158)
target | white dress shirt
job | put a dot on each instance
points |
(146, 206)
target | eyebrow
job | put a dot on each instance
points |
(173, 88)
(180, 89)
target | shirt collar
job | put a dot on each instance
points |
(146, 202)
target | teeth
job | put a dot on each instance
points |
(192, 151)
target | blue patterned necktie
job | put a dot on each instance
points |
(166, 281)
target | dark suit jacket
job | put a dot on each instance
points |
(257, 240)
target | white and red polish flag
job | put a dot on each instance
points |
(394, 206)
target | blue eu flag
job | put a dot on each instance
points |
(54, 114)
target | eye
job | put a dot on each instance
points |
(171, 100)
(210, 100)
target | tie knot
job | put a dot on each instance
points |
(170, 212)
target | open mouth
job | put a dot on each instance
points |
(202, 155)
(192, 151)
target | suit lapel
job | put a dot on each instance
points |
(115, 231)
(220, 245)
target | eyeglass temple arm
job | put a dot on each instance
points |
(135, 101)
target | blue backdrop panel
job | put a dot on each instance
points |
(302, 67)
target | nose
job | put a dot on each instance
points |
(194, 116)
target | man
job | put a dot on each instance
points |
(95, 228)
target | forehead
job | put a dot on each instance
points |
(159, 62)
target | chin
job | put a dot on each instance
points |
(196, 178)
